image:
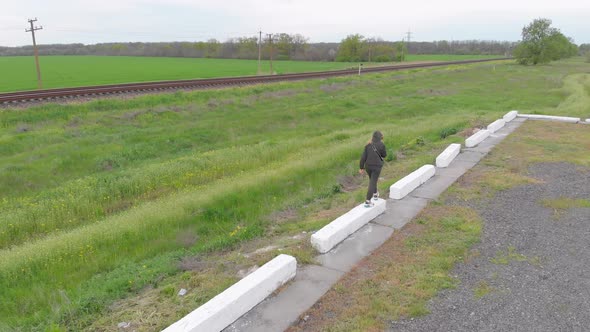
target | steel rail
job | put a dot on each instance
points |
(33, 95)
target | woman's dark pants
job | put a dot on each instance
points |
(373, 173)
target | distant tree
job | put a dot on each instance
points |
(559, 46)
(299, 46)
(584, 49)
(542, 43)
(368, 49)
(213, 48)
(382, 51)
(118, 48)
(444, 47)
(283, 43)
(247, 47)
(350, 48)
(400, 51)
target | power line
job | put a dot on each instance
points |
(32, 31)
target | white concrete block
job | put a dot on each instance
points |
(587, 120)
(496, 125)
(447, 156)
(550, 117)
(477, 138)
(242, 296)
(510, 116)
(411, 181)
(335, 232)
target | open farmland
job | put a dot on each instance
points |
(102, 200)
(18, 73)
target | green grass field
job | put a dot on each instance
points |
(18, 73)
(102, 200)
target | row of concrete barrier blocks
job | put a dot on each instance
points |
(234, 302)
(481, 135)
(335, 232)
(412, 181)
(338, 230)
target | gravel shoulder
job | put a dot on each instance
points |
(531, 269)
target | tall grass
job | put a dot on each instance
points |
(209, 211)
(98, 197)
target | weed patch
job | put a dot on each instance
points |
(561, 204)
(482, 289)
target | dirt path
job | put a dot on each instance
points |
(532, 270)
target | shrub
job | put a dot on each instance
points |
(445, 132)
(383, 58)
(413, 144)
(391, 155)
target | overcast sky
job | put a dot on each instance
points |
(90, 22)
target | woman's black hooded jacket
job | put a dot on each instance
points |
(370, 158)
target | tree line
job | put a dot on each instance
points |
(359, 48)
(540, 43)
(283, 47)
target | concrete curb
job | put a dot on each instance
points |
(477, 138)
(333, 233)
(231, 304)
(496, 125)
(411, 181)
(510, 116)
(447, 156)
(550, 117)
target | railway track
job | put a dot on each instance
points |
(50, 94)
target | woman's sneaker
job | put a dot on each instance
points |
(368, 204)
(376, 196)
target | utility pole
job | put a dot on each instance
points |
(409, 33)
(259, 49)
(270, 43)
(32, 31)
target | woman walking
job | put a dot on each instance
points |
(372, 162)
